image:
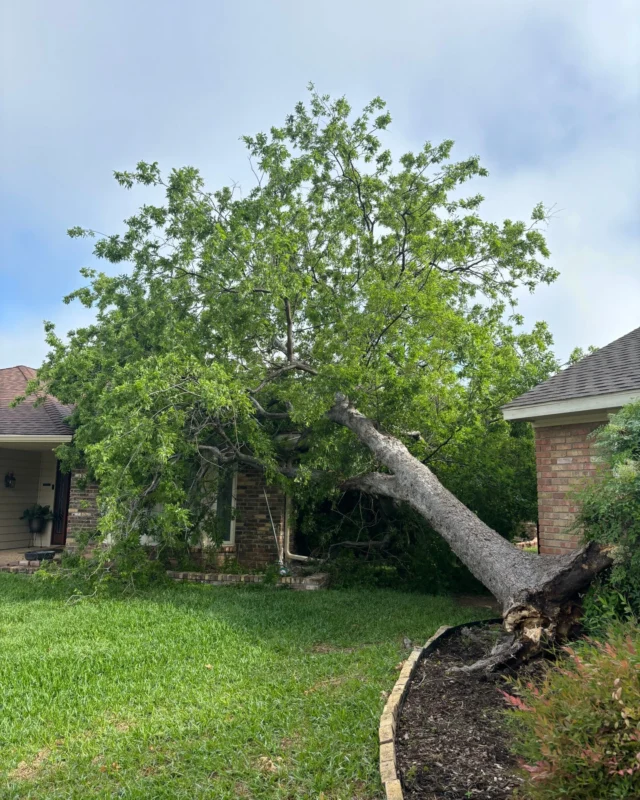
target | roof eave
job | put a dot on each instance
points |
(573, 405)
(35, 438)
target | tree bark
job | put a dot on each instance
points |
(538, 594)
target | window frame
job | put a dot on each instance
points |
(232, 526)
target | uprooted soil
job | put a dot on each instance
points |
(452, 740)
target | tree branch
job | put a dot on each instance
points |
(270, 414)
(237, 456)
(299, 365)
(370, 544)
(230, 458)
(287, 311)
(374, 483)
(375, 342)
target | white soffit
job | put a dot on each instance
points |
(10, 438)
(577, 405)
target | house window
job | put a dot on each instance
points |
(226, 504)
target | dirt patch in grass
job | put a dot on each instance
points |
(452, 741)
(330, 648)
(266, 764)
(329, 682)
(27, 771)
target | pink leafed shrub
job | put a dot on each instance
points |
(578, 734)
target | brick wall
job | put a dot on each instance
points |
(565, 461)
(255, 543)
(83, 510)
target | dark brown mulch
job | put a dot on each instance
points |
(452, 740)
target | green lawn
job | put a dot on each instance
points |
(199, 692)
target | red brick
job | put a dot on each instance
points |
(564, 462)
(83, 509)
(254, 541)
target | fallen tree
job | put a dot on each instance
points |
(238, 319)
(538, 594)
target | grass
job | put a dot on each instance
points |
(200, 692)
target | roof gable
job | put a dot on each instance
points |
(26, 419)
(613, 369)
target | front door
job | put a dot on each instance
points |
(60, 507)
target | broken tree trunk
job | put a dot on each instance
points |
(537, 593)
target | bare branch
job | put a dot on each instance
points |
(294, 365)
(437, 449)
(230, 458)
(390, 324)
(370, 544)
(287, 311)
(270, 414)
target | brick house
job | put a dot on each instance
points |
(30, 473)
(564, 411)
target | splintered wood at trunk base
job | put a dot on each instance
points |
(538, 594)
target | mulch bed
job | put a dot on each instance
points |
(452, 741)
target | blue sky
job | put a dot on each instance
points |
(546, 92)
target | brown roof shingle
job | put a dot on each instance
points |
(26, 419)
(612, 369)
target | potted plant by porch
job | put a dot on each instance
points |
(36, 516)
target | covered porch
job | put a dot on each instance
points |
(29, 475)
(30, 432)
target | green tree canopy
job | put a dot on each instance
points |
(237, 317)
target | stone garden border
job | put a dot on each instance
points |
(308, 583)
(313, 582)
(25, 567)
(391, 713)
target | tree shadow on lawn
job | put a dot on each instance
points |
(279, 617)
(333, 620)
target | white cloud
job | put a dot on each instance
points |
(546, 92)
(596, 299)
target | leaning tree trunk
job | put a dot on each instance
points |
(538, 594)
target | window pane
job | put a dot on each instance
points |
(224, 504)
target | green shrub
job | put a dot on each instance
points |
(124, 566)
(578, 734)
(610, 514)
(604, 605)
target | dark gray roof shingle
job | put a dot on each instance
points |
(612, 369)
(26, 419)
